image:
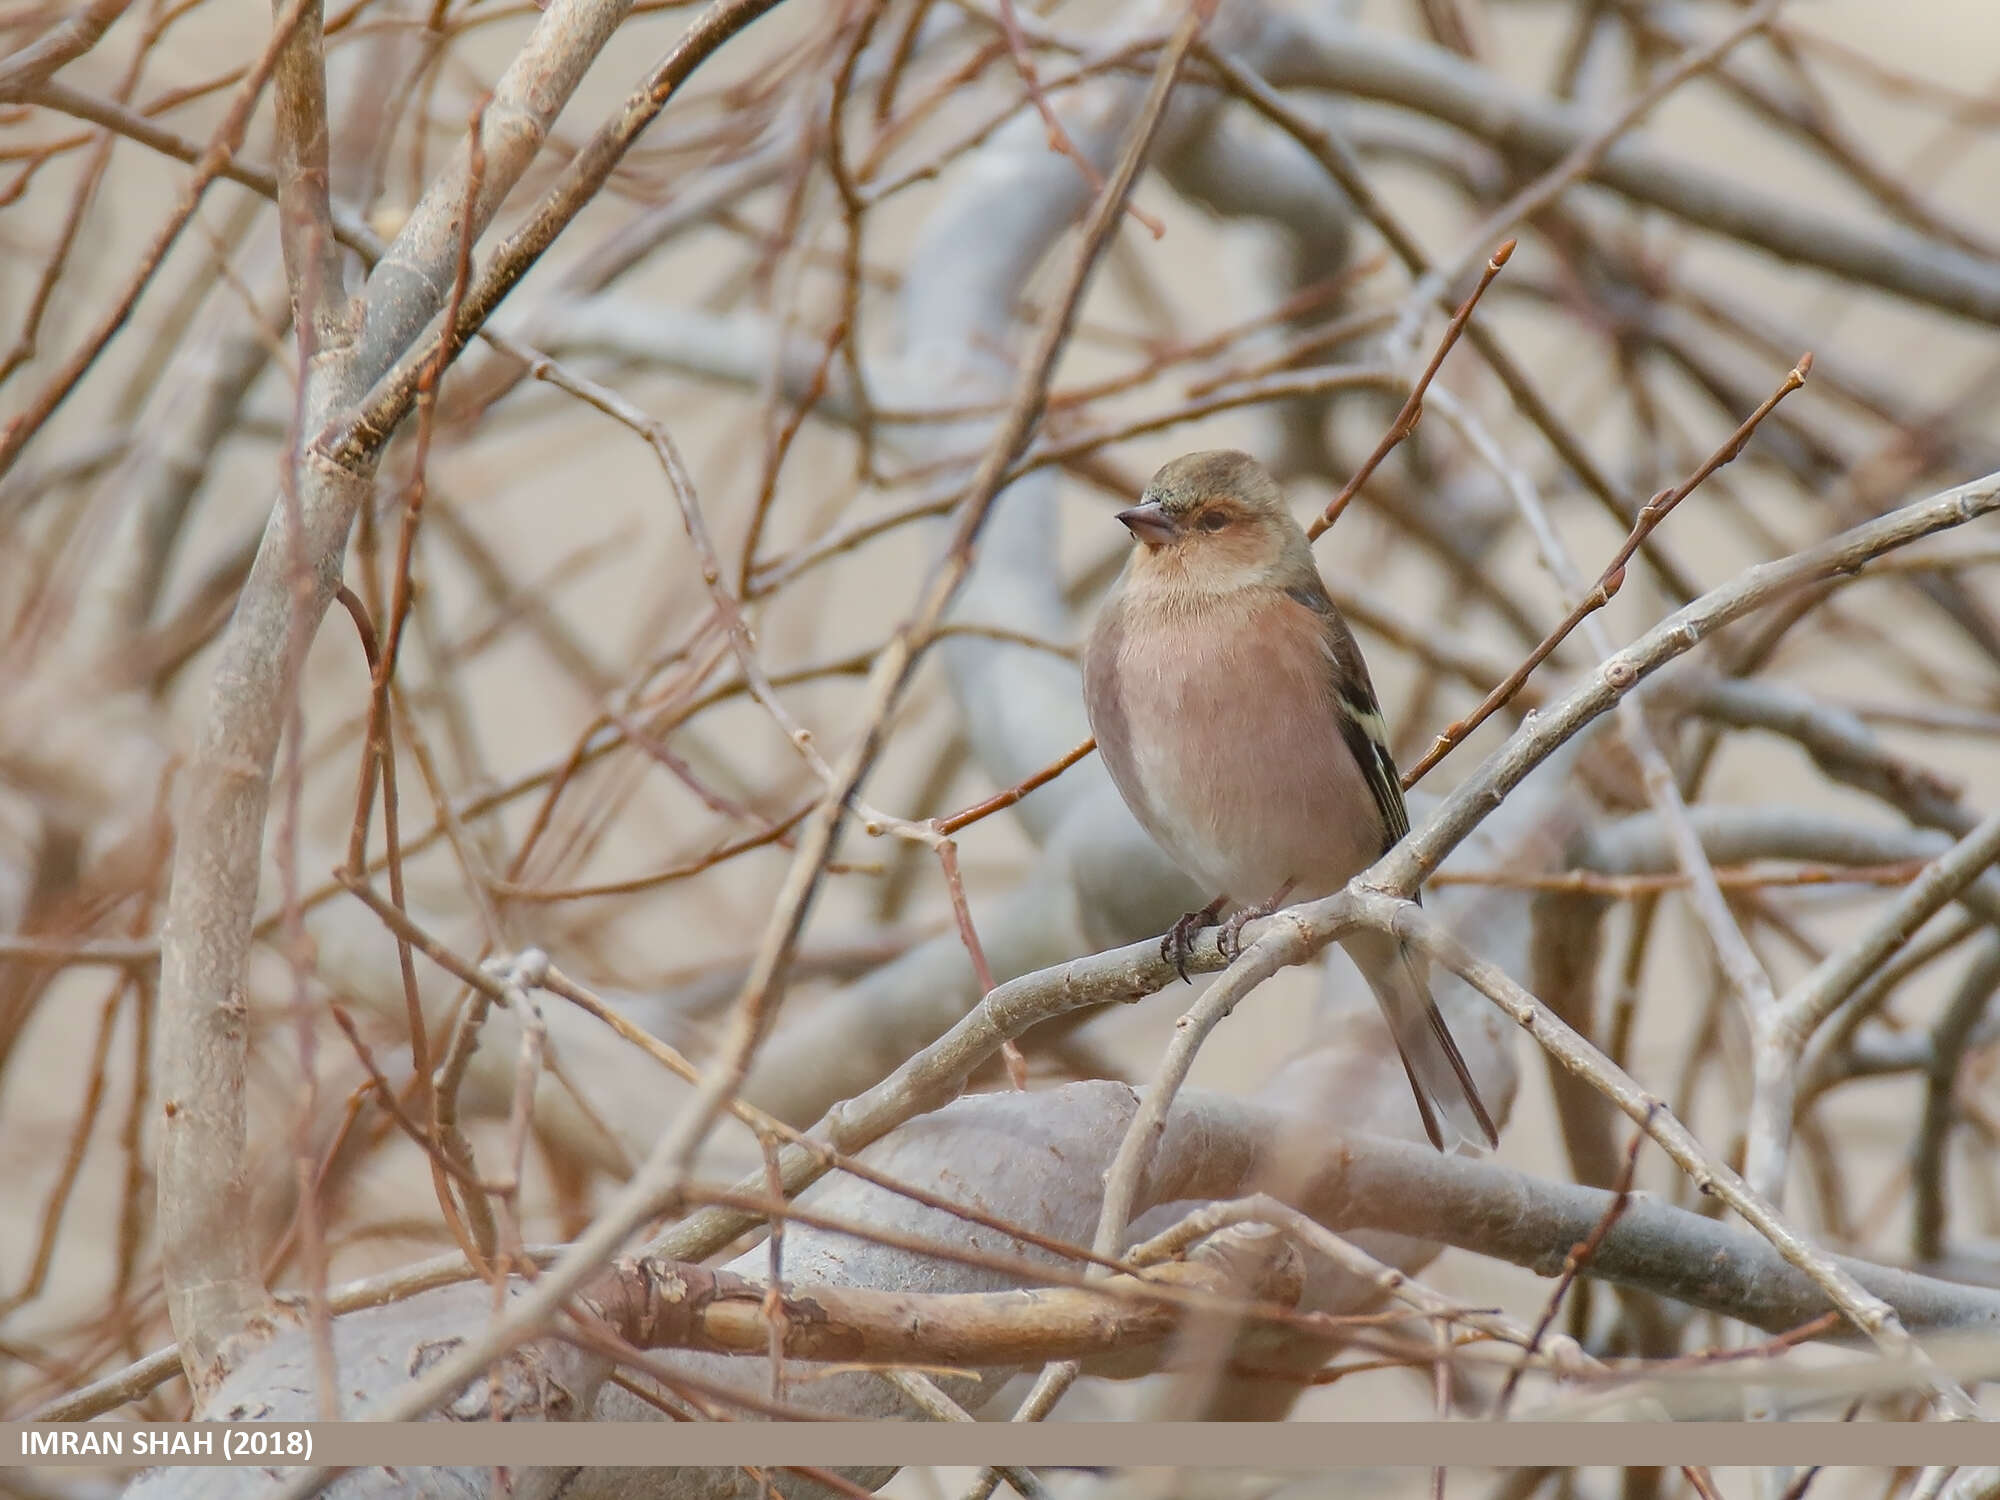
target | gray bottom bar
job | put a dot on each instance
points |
(1250, 1446)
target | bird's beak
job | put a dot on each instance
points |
(1149, 524)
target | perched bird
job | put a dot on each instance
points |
(1234, 712)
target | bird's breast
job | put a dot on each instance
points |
(1216, 721)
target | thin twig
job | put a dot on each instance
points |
(1413, 406)
(1609, 581)
(1580, 1255)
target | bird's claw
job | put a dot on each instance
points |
(1230, 938)
(1179, 940)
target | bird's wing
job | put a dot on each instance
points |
(1362, 725)
(1447, 1097)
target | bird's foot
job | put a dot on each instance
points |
(1230, 939)
(1179, 941)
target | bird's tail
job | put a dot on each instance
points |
(1447, 1098)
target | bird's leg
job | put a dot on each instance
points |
(1179, 941)
(1230, 939)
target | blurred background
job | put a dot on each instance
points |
(819, 273)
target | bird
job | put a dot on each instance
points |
(1233, 709)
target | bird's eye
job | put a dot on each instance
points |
(1215, 520)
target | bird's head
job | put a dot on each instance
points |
(1213, 521)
